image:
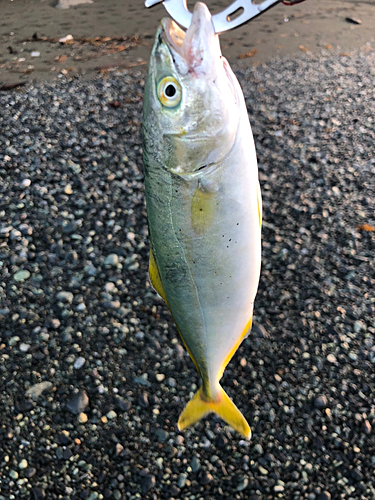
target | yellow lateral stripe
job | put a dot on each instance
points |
(234, 348)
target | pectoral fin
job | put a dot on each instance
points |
(223, 406)
(155, 277)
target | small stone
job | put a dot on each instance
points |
(54, 323)
(111, 415)
(174, 491)
(195, 464)
(244, 483)
(35, 391)
(25, 183)
(13, 474)
(64, 296)
(162, 435)
(68, 189)
(320, 402)
(78, 402)
(123, 404)
(82, 418)
(143, 400)
(30, 472)
(263, 471)
(111, 260)
(258, 448)
(222, 441)
(324, 495)
(38, 493)
(331, 358)
(358, 326)
(259, 331)
(179, 440)
(367, 427)
(21, 275)
(205, 478)
(79, 362)
(119, 449)
(24, 347)
(357, 475)
(81, 307)
(278, 488)
(94, 495)
(23, 464)
(160, 377)
(35, 53)
(147, 482)
(172, 382)
(181, 480)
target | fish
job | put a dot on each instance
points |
(203, 203)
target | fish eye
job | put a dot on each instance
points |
(169, 92)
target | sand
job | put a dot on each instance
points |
(312, 27)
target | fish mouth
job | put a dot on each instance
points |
(198, 46)
(173, 35)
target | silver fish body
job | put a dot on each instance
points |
(203, 203)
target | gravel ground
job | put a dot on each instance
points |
(93, 376)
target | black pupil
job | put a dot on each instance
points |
(170, 90)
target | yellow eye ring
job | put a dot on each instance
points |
(169, 92)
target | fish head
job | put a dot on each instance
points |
(192, 98)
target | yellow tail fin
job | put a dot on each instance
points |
(199, 406)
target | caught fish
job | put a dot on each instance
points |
(203, 204)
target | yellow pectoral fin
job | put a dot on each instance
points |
(155, 277)
(223, 406)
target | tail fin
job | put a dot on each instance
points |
(198, 407)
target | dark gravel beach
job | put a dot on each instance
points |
(93, 375)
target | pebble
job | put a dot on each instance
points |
(259, 449)
(243, 484)
(21, 275)
(205, 478)
(13, 474)
(160, 377)
(111, 260)
(320, 402)
(36, 390)
(147, 482)
(324, 495)
(195, 464)
(182, 480)
(64, 296)
(82, 418)
(278, 488)
(23, 464)
(111, 415)
(79, 362)
(331, 358)
(78, 402)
